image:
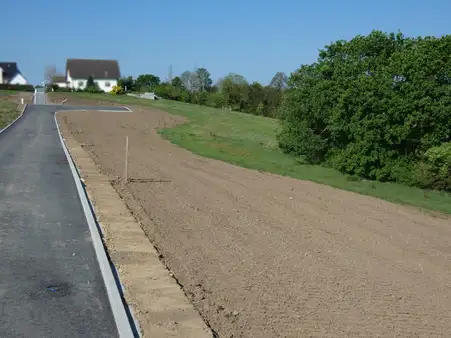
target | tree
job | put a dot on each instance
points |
(189, 80)
(279, 81)
(147, 80)
(234, 79)
(272, 101)
(372, 106)
(256, 98)
(236, 93)
(203, 80)
(127, 83)
(49, 74)
(176, 82)
(91, 86)
(90, 82)
(216, 100)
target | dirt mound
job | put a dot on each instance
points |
(267, 256)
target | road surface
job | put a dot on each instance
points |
(50, 281)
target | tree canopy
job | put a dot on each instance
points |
(279, 81)
(147, 80)
(371, 106)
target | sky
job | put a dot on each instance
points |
(254, 38)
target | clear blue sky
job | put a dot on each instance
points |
(255, 38)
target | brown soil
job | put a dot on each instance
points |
(16, 97)
(262, 255)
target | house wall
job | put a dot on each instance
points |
(18, 80)
(104, 84)
(68, 79)
(1, 75)
(61, 84)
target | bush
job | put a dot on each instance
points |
(117, 90)
(215, 100)
(22, 88)
(434, 171)
(93, 89)
(64, 89)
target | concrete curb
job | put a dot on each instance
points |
(18, 117)
(117, 306)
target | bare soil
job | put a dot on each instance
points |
(262, 255)
(16, 97)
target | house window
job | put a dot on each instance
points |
(107, 84)
(80, 83)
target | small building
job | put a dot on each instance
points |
(10, 74)
(60, 81)
(104, 72)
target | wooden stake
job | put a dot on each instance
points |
(126, 160)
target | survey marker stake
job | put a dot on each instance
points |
(126, 160)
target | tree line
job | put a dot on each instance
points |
(233, 92)
(377, 106)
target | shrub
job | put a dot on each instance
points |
(215, 100)
(64, 89)
(434, 171)
(117, 90)
(93, 89)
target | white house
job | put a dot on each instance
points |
(60, 81)
(104, 72)
(10, 74)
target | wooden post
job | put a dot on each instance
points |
(126, 160)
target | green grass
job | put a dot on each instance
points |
(8, 112)
(250, 141)
(8, 92)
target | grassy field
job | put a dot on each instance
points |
(8, 110)
(250, 141)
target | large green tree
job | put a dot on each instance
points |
(203, 80)
(127, 83)
(147, 80)
(371, 106)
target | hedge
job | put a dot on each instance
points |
(22, 88)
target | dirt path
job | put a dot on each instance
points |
(267, 256)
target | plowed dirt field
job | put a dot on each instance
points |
(262, 255)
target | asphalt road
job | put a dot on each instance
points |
(50, 281)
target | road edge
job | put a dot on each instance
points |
(117, 306)
(15, 120)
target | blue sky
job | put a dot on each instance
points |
(254, 38)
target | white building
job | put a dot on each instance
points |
(60, 81)
(104, 72)
(10, 74)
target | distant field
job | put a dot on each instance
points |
(7, 92)
(8, 109)
(250, 141)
